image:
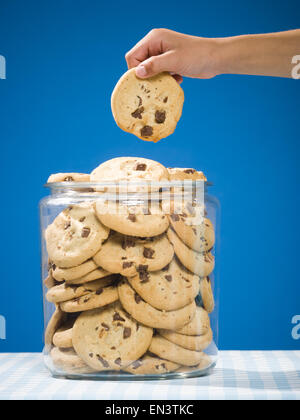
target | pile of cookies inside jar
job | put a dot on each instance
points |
(129, 272)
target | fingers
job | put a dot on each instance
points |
(150, 45)
(157, 64)
(153, 55)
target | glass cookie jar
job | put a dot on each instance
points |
(130, 281)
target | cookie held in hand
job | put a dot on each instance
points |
(148, 108)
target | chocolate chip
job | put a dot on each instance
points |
(148, 252)
(160, 117)
(85, 232)
(53, 267)
(143, 273)
(128, 243)
(163, 365)
(67, 225)
(85, 300)
(137, 298)
(136, 364)
(138, 113)
(126, 333)
(132, 218)
(91, 355)
(165, 99)
(113, 348)
(127, 264)
(103, 361)
(140, 100)
(169, 278)
(190, 171)
(117, 317)
(146, 131)
(141, 167)
(99, 291)
(175, 217)
(144, 276)
(105, 326)
(82, 219)
(68, 179)
(118, 361)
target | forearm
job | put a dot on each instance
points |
(266, 54)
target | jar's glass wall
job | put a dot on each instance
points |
(172, 350)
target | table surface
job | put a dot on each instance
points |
(238, 375)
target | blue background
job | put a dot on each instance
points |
(63, 60)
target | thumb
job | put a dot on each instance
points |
(155, 65)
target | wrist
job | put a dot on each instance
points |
(224, 55)
(208, 57)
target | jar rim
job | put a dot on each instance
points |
(187, 183)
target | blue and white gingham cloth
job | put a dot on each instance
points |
(239, 375)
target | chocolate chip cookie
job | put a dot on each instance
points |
(75, 236)
(207, 294)
(148, 315)
(63, 336)
(180, 174)
(198, 263)
(129, 255)
(143, 220)
(190, 342)
(200, 237)
(96, 299)
(55, 322)
(68, 177)
(109, 338)
(151, 365)
(64, 291)
(69, 362)
(69, 274)
(205, 362)
(149, 109)
(199, 325)
(130, 169)
(170, 351)
(169, 289)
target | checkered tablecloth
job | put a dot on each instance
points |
(238, 375)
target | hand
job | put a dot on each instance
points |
(181, 55)
(203, 58)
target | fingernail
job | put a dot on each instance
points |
(141, 71)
